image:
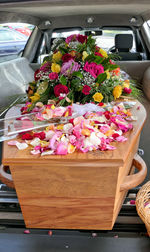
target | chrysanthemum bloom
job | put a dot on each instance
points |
(117, 91)
(69, 67)
(98, 97)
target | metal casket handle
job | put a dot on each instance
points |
(134, 180)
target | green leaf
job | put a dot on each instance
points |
(63, 50)
(75, 81)
(63, 80)
(78, 74)
(90, 58)
(101, 78)
(98, 60)
(112, 66)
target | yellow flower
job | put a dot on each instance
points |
(53, 107)
(108, 74)
(117, 91)
(103, 53)
(57, 56)
(126, 84)
(35, 97)
(85, 54)
(97, 84)
(98, 97)
(55, 68)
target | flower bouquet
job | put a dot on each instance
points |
(77, 71)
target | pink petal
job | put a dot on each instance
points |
(61, 149)
(121, 139)
(12, 143)
(35, 152)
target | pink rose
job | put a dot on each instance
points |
(93, 69)
(86, 90)
(53, 76)
(60, 89)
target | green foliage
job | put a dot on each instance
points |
(102, 77)
(63, 80)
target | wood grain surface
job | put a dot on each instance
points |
(76, 191)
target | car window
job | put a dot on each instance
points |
(13, 38)
(8, 35)
(105, 39)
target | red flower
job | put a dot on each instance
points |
(53, 76)
(127, 90)
(60, 89)
(98, 54)
(40, 135)
(86, 90)
(116, 71)
(101, 104)
(35, 74)
(66, 57)
(27, 136)
(82, 38)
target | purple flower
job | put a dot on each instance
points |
(69, 67)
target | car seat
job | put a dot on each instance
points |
(123, 45)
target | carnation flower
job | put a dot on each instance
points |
(53, 76)
(71, 38)
(69, 67)
(86, 90)
(45, 67)
(60, 89)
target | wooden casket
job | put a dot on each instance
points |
(79, 190)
